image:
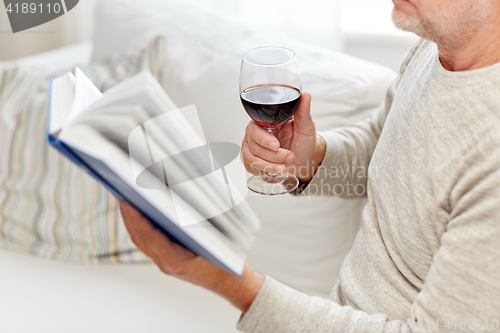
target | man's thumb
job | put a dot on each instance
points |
(302, 117)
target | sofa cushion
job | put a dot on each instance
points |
(48, 206)
(303, 241)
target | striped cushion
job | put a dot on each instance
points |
(48, 206)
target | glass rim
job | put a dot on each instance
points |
(294, 56)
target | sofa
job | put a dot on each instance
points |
(302, 242)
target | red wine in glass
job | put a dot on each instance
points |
(270, 91)
(270, 106)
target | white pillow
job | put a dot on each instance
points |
(303, 241)
(61, 58)
(48, 206)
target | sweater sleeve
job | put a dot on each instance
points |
(349, 149)
(348, 153)
(460, 293)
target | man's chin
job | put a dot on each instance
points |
(404, 22)
(413, 25)
(400, 19)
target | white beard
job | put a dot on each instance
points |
(451, 27)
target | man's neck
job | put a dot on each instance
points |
(482, 49)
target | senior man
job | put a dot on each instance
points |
(428, 254)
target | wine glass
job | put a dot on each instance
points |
(270, 91)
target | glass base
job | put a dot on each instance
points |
(273, 184)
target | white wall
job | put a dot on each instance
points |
(369, 34)
(361, 28)
(314, 21)
(387, 51)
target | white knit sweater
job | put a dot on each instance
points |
(428, 254)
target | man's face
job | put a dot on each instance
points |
(443, 21)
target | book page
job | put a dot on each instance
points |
(178, 153)
(62, 94)
(86, 139)
(191, 175)
(120, 124)
(115, 122)
(85, 94)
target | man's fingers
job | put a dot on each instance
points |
(262, 137)
(304, 123)
(150, 240)
(132, 218)
(253, 162)
(169, 256)
(138, 223)
(281, 156)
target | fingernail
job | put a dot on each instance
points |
(290, 158)
(280, 169)
(274, 146)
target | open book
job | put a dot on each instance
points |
(136, 142)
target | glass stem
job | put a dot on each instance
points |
(271, 176)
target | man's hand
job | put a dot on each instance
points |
(174, 260)
(295, 149)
